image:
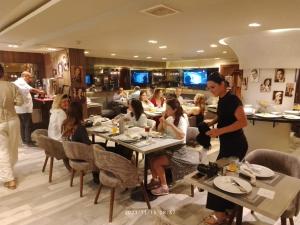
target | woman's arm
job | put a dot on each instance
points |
(241, 121)
(213, 122)
(179, 133)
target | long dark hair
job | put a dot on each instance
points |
(137, 107)
(175, 105)
(73, 120)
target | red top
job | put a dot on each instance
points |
(153, 100)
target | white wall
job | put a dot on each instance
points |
(252, 95)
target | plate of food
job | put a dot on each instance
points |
(292, 112)
(267, 115)
(256, 170)
(234, 185)
(292, 117)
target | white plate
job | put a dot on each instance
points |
(101, 129)
(258, 170)
(225, 183)
(292, 117)
(267, 115)
(293, 112)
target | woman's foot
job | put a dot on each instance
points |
(217, 218)
(162, 190)
(154, 183)
(11, 184)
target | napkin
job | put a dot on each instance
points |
(266, 193)
(110, 144)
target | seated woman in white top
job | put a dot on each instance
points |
(136, 115)
(146, 103)
(58, 115)
(174, 123)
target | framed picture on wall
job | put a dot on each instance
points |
(277, 97)
(289, 89)
(76, 75)
(266, 85)
(279, 76)
(254, 75)
(245, 83)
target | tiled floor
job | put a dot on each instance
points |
(35, 201)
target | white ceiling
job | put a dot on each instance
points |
(117, 26)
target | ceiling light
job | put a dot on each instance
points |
(51, 49)
(163, 46)
(136, 56)
(113, 54)
(149, 57)
(222, 42)
(254, 24)
(164, 58)
(217, 58)
(153, 41)
(224, 52)
(284, 30)
(200, 51)
(13, 46)
(213, 45)
(86, 52)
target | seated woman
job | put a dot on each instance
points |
(58, 115)
(158, 99)
(136, 115)
(198, 109)
(73, 129)
(174, 123)
(145, 101)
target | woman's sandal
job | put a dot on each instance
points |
(214, 220)
(11, 184)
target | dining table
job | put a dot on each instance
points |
(268, 196)
(134, 138)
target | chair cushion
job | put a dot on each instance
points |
(109, 180)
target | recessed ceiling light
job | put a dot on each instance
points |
(217, 58)
(213, 45)
(164, 58)
(254, 24)
(163, 46)
(136, 56)
(113, 54)
(51, 49)
(149, 57)
(86, 52)
(13, 46)
(200, 51)
(153, 41)
(224, 52)
(222, 42)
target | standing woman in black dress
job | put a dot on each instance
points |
(233, 143)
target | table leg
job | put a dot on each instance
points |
(93, 138)
(145, 170)
(239, 215)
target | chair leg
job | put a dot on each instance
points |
(145, 195)
(51, 169)
(111, 209)
(72, 177)
(252, 212)
(192, 191)
(137, 159)
(291, 221)
(283, 220)
(98, 193)
(81, 182)
(45, 163)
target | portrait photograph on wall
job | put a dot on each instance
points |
(78, 94)
(266, 85)
(279, 76)
(289, 89)
(277, 97)
(245, 83)
(254, 75)
(76, 75)
(229, 80)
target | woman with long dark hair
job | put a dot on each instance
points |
(145, 101)
(173, 123)
(136, 115)
(233, 143)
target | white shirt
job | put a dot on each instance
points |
(180, 99)
(56, 119)
(141, 122)
(24, 89)
(147, 105)
(135, 95)
(182, 125)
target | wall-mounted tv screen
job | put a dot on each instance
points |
(88, 79)
(140, 77)
(195, 78)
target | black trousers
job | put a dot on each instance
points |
(26, 126)
(235, 145)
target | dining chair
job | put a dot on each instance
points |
(283, 163)
(116, 172)
(38, 132)
(81, 159)
(53, 149)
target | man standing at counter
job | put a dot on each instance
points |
(25, 111)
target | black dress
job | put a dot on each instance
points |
(231, 144)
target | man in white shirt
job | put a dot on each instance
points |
(136, 93)
(24, 111)
(178, 94)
